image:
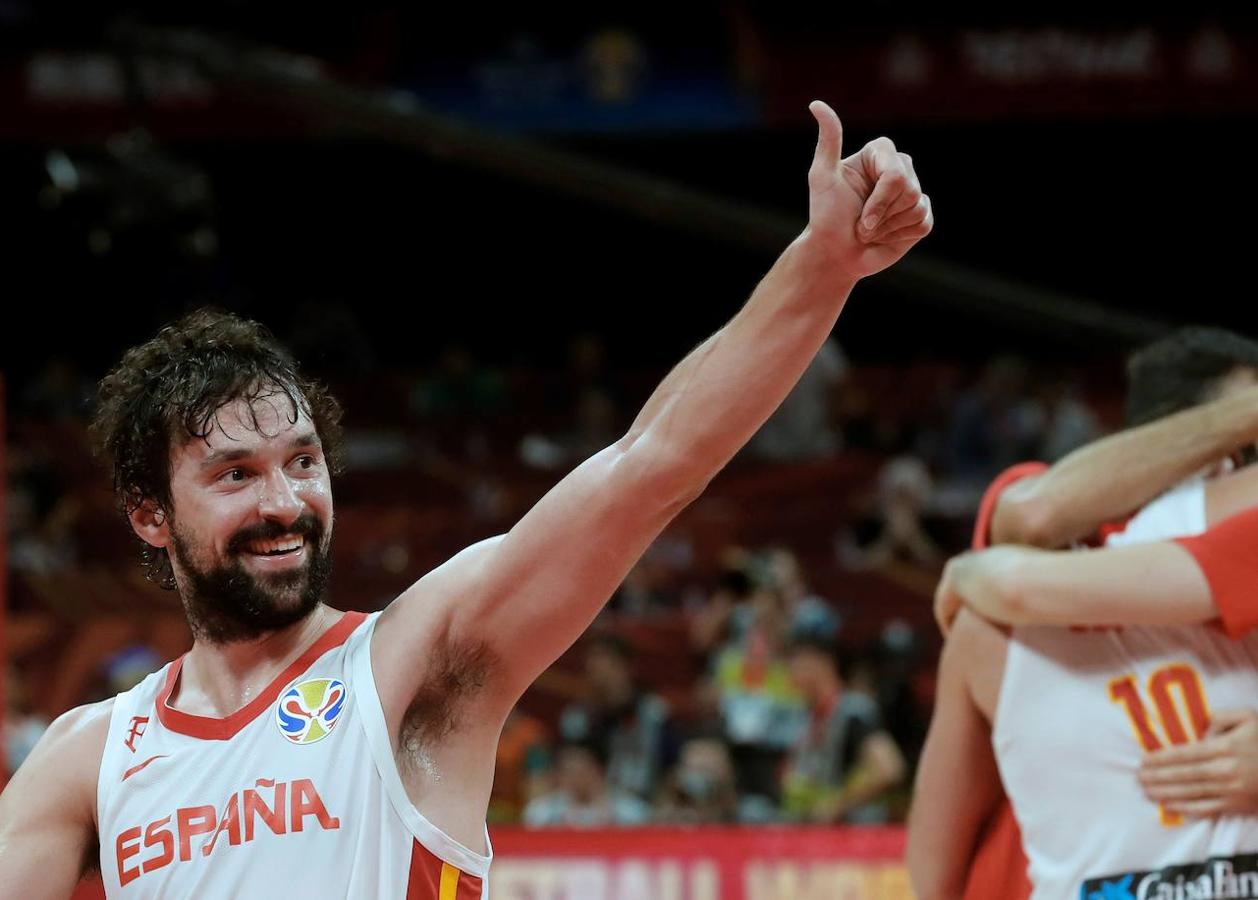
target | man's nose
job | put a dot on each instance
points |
(278, 501)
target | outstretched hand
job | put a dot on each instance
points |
(869, 209)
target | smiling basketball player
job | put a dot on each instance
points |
(298, 748)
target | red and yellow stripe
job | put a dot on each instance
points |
(434, 879)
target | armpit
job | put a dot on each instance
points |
(458, 672)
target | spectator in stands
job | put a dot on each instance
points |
(632, 727)
(585, 414)
(711, 624)
(751, 580)
(520, 769)
(701, 789)
(900, 682)
(41, 518)
(806, 612)
(1070, 423)
(995, 424)
(761, 711)
(844, 763)
(582, 797)
(645, 590)
(804, 427)
(898, 529)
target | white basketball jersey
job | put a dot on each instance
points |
(1079, 708)
(296, 794)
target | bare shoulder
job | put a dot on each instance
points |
(83, 724)
(70, 750)
(48, 811)
(57, 781)
(977, 647)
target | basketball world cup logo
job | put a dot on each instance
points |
(308, 711)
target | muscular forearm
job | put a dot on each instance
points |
(1110, 478)
(715, 399)
(1148, 584)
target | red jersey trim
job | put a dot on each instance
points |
(1227, 556)
(211, 729)
(431, 878)
(987, 507)
(998, 869)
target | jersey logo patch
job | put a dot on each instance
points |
(309, 710)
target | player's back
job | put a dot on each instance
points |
(1078, 709)
(1077, 712)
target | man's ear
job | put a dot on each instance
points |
(151, 523)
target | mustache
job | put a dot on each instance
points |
(306, 526)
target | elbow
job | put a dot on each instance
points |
(1033, 520)
(664, 475)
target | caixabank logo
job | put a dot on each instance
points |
(1218, 878)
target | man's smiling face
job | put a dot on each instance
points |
(250, 529)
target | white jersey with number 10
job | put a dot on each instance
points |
(1077, 711)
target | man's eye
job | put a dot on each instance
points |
(233, 475)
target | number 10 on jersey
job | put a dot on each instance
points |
(1179, 703)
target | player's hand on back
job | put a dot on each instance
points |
(1216, 775)
(868, 209)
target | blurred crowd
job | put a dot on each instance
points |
(776, 725)
(760, 686)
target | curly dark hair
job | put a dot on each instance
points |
(169, 390)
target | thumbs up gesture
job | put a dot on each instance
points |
(866, 210)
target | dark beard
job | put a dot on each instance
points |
(227, 604)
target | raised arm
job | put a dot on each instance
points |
(1110, 478)
(510, 606)
(47, 812)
